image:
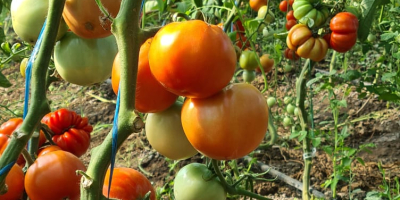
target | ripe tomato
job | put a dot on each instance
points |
(50, 170)
(344, 28)
(291, 54)
(4, 140)
(128, 184)
(283, 6)
(165, 133)
(71, 131)
(241, 39)
(290, 16)
(28, 17)
(267, 62)
(216, 131)
(47, 149)
(195, 182)
(150, 95)
(291, 2)
(248, 60)
(15, 184)
(185, 56)
(256, 4)
(290, 24)
(85, 19)
(84, 61)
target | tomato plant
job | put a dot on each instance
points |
(71, 132)
(50, 170)
(177, 66)
(344, 28)
(85, 19)
(128, 184)
(216, 132)
(165, 133)
(257, 4)
(15, 184)
(195, 182)
(92, 58)
(150, 95)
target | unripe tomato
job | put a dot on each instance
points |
(195, 182)
(287, 68)
(150, 95)
(287, 121)
(84, 61)
(263, 11)
(15, 184)
(267, 63)
(165, 133)
(344, 28)
(256, 4)
(85, 19)
(195, 53)
(287, 100)
(283, 6)
(248, 60)
(290, 24)
(271, 101)
(217, 132)
(28, 17)
(248, 75)
(304, 10)
(371, 38)
(128, 184)
(290, 109)
(22, 66)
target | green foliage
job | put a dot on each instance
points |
(369, 8)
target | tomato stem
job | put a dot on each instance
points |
(27, 157)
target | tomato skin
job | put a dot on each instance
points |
(291, 54)
(290, 24)
(48, 149)
(257, 4)
(71, 131)
(186, 63)
(165, 133)
(15, 184)
(344, 28)
(290, 16)
(291, 2)
(52, 169)
(217, 132)
(85, 19)
(128, 184)
(283, 6)
(248, 60)
(193, 182)
(92, 59)
(150, 95)
(267, 63)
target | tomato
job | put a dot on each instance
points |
(185, 56)
(371, 38)
(85, 19)
(291, 54)
(263, 11)
(216, 131)
(266, 62)
(248, 60)
(290, 24)
(15, 184)
(287, 68)
(71, 132)
(84, 61)
(283, 6)
(304, 10)
(47, 149)
(327, 38)
(165, 133)
(271, 101)
(241, 39)
(28, 17)
(287, 122)
(344, 28)
(22, 67)
(290, 109)
(51, 169)
(287, 100)
(248, 75)
(128, 184)
(195, 182)
(256, 4)
(290, 15)
(300, 39)
(291, 2)
(10, 126)
(150, 95)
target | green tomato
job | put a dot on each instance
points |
(296, 111)
(28, 17)
(165, 133)
(304, 11)
(248, 60)
(287, 68)
(371, 37)
(271, 101)
(287, 100)
(196, 182)
(287, 122)
(290, 109)
(263, 11)
(84, 61)
(22, 66)
(248, 75)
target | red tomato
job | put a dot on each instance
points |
(12, 124)
(71, 131)
(327, 38)
(150, 95)
(192, 58)
(226, 126)
(257, 4)
(128, 184)
(291, 2)
(291, 54)
(290, 24)
(15, 184)
(241, 39)
(4, 140)
(50, 170)
(48, 149)
(283, 6)
(290, 15)
(344, 28)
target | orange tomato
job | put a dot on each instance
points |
(257, 4)
(85, 19)
(15, 184)
(267, 63)
(12, 124)
(226, 126)
(48, 149)
(192, 58)
(150, 95)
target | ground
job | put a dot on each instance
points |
(371, 121)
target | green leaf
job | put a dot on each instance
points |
(361, 161)
(351, 75)
(388, 36)
(316, 142)
(396, 55)
(198, 3)
(388, 96)
(2, 35)
(4, 81)
(388, 76)
(369, 8)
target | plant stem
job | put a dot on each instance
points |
(39, 105)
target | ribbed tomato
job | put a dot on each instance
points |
(192, 58)
(150, 95)
(344, 28)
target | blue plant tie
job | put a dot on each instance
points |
(6, 168)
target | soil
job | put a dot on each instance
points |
(369, 121)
